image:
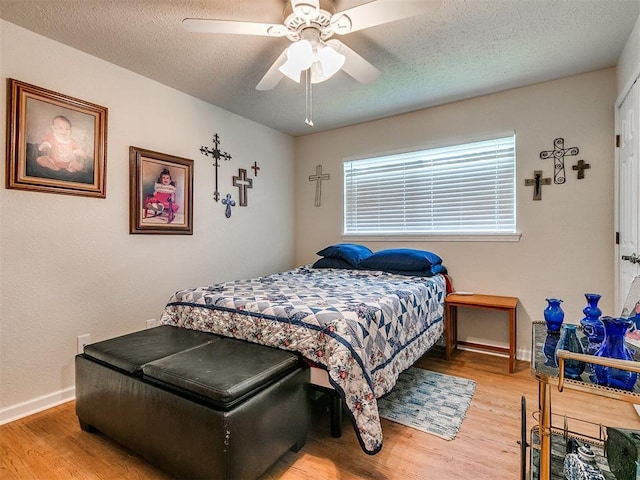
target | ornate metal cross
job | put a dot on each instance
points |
(229, 203)
(242, 182)
(217, 155)
(255, 169)
(558, 153)
(318, 177)
(537, 181)
(581, 167)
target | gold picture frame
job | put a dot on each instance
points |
(161, 193)
(55, 143)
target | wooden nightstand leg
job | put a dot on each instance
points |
(512, 340)
(450, 334)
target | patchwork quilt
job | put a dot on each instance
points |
(365, 327)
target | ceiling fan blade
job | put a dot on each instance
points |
(306, 8)
(273, 75)
(204, 25)
(354, 65)
(378, 12)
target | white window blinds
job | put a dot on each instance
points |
(461, 189)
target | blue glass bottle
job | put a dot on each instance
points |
(553, 314)
(592, 326)
(613, 347)
(569, 341)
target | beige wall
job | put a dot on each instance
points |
(68, 265)
(566, 248)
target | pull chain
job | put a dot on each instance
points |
(308, 98)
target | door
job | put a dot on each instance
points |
(628, 263)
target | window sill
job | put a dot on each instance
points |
(475, 237)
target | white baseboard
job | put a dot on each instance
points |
(521, 354)
(36, 405)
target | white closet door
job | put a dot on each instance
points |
(628, 213)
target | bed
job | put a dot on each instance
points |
(363, 326)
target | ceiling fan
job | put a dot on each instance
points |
(310, 25)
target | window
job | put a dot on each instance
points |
(457, 190)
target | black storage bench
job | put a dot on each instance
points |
(195, 404)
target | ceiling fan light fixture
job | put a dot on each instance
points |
(291, 71)
(300, 56)
(317, 74)
(330, 60)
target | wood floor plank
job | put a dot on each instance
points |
(50, 444)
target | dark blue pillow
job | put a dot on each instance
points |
(351, 253)
(434, 270)
(401, 259)
(332, 263)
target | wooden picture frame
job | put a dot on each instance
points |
(161, 193)
(55, 143)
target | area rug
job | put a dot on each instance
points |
(431, 402)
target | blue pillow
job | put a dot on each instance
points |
(401, 259)
(351, 253)
(434, 270)
(325, 262)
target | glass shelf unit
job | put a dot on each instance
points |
(544, 435)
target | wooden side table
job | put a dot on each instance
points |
(492, 302)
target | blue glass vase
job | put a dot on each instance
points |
(613, 347)
(549, 349)
(592, 326)
(553, 314)
(569, 341)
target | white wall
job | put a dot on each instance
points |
(566, 248)
(68, 265)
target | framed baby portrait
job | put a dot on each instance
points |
(161, 193)
(55, 143)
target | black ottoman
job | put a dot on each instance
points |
(204, 407)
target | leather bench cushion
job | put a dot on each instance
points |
(224, 372)
(130, 352)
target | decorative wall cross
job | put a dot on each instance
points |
(558, 153)
(242, 182)
(318, 177)
(217, 155)
(537, 181)
(255, 169)
(581, 167)
(229, 203)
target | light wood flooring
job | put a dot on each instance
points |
(50, 444)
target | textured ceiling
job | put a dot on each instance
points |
(464, 49)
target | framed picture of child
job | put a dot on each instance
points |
(56, 143)
(161, 193)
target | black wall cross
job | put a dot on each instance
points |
(558, 153)
(537, 181)
(217, 155)
(581, 167)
